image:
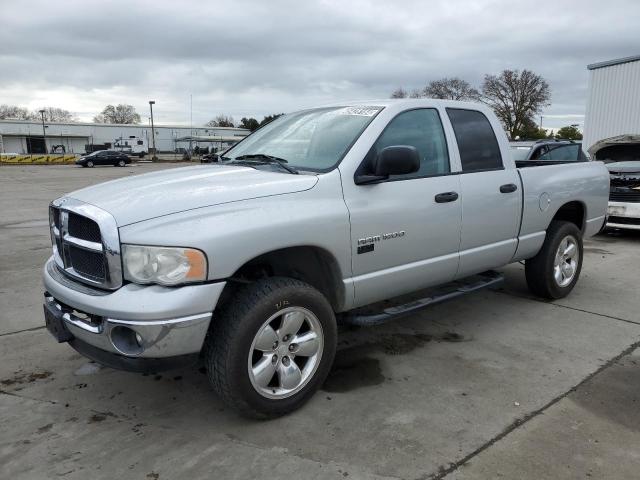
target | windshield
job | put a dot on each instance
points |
(520, 153)
(313, 140)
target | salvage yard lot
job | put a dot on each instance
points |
(495, 384)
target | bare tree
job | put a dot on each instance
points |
(515, 97)
(453, 88)
(399, 93)
(13, 112)
(123, 114)
(54, 114)
(220, 121)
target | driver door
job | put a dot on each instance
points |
(405, 233)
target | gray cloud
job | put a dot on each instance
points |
(255, 58)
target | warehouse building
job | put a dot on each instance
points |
(25, 137)
(612, 120)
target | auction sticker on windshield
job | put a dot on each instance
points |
(361, 111)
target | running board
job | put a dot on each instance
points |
(489, 279)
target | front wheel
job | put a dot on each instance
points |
(121, 163)
(271, 347)
(90, 164)
(555, 270)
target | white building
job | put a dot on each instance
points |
(23, 137)
(612, 120)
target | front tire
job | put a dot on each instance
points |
(121, 163)
(271, 347)
(555, 270)
(90, 164)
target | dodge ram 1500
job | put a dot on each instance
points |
(250, 263)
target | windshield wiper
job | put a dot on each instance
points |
(268, 159)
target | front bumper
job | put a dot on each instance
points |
(623, 215)
(169, 322)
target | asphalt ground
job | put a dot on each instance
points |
(497, 384)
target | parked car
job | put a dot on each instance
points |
(104, 157)
(209, 158)
(548, 150)
(624, 197)
(250, 264)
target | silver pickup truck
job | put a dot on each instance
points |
(249, 264)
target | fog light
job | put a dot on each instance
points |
(126, 340)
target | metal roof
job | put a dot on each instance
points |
(617, 61)
(121, 125)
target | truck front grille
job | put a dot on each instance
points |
(85, 243)
(620, 195)
(84, 228)
(625, 189)
(88, 264)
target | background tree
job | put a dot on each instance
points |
(569, 132)
(453, 88)
(221, 121)
(249, 123)
(270, 118)
(13, 112)
(399, 93)
(531, 131)
(54, 114)
(515, 97)
(124, 114)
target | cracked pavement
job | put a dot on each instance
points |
(497, 384)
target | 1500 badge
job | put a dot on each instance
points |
(366, 244)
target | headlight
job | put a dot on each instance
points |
(163, 265)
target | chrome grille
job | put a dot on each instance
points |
(85, 243)
(625, 188)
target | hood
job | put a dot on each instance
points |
(151, 195)
(623, 167)
(620, 139)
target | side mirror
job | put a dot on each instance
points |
(397, 160)
(392, 160)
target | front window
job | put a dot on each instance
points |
(314, 140)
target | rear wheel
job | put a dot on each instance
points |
(272, 347)
(121, 163)
(555, 270)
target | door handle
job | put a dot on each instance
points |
(508, 188)
(446, 197)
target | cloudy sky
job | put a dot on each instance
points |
(255, 58)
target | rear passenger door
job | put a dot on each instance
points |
(490, 194)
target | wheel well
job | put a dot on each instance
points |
(571, 212)
(312, 265)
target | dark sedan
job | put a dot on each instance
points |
(104, 157)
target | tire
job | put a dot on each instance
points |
(546, 274)
(121, 163)
(233, 353)
(90, 164)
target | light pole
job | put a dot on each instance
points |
(44, 134)
(153, 132)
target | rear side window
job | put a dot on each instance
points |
(422, 129)
(476, 139)
(562, 153)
